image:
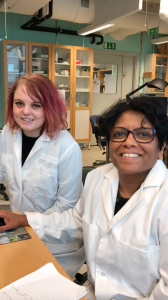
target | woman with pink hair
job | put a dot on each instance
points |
(40, 161)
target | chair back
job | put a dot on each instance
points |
(85, 171)
(94, 120)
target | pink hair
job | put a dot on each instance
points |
(42, 89)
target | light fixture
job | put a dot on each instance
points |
(155, 83)
(87, 30)
(161, 40)
(163, 13)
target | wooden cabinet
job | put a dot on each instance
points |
(156, 66)
(14, 63)
(69, 67)
(72, 72)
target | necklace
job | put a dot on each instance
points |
(118, 196)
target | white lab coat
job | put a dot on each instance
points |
(50, 180)
(126, 254)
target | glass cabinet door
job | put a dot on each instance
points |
(62, 70)
(16, 62)
(83, 78)
(83, 85)
(39, 55)
(160, 72)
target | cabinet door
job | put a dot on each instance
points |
(62, 76)
(160, 71)
(15, 62)
(83, 85)
(40, 59)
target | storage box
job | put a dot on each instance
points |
(85, 73)
(78, 61)
(44, 55)
(64, 72)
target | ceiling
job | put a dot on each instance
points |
(128, 15)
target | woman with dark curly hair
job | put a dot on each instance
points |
(40, 160)
(122, 215)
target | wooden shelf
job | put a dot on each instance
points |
(161, 66)
(105, 70)
(62, 76)
(82, 91)
(63, 64)
(83, 76)
(81, 65)
(40, 58)
(23, 58)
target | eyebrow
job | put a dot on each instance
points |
(23, 101)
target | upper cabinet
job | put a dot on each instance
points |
(40, 58)
(72, 72)
(156, 66)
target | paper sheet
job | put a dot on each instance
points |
(45, 283)
(96, 86)
(110, 83)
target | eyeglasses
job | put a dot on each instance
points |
(141, 135)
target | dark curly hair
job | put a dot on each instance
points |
(152, 108)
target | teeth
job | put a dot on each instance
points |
(130, 155)
(27, 119)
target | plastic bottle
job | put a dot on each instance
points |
(56, 56)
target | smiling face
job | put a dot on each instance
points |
(28, 114)
(131, 157)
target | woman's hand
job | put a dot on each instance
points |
(12, 220)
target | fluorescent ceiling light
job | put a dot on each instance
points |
(85, 31)
(161, 40)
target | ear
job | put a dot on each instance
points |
(162, 151)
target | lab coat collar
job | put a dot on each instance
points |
(39, 144)
(109, 191)
(110, 188)
(18, 144)
(18, 152)
(156, 175)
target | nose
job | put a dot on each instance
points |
(26, 110)
(130, 141)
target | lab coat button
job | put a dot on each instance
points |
(102, 273)
(26, 167)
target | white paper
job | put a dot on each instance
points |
(110, 83)
(96, 86)
(45, 283)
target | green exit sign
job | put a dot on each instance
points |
(153, 30)
(111, 46)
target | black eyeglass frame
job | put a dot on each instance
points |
(132, 131)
